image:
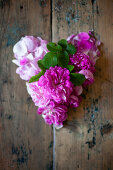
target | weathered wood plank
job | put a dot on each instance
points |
(25, 140)
(86, 140)
(103, 26)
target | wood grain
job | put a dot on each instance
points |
(25, 140)
(85, 142)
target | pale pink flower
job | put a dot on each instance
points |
(27, 53)
(54, 114)
(37, 94)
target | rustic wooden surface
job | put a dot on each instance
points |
(85, 142)
(25, 140)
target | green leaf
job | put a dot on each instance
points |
(70, 67)
(53, 47)
(66, 57)
(71, 49)
(36, 77)
(77, 79)
(60, 60)
(63, 43)
(63, 59)
(49, 60)
(40, 64)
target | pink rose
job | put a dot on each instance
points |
(27, 53)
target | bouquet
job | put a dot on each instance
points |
(56, 73)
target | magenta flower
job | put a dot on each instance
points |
(56, 84)
(75, 98)
(27, 52)
(78, 90)
(81, 61)
(89, 77)
(37, 94)
(87, 44)
(54, 113)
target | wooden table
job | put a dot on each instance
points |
(86, 141)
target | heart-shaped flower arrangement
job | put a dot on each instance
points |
(56, 73)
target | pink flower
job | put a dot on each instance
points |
(37, 94)
(74, 101)
(75, 98)
(87, 44)
(81, 61)
(78, 90)
(89, 77)
(54, 113)
(56, 84)
(27, 52)
(81, 41)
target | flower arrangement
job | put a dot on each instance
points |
(56, 73)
